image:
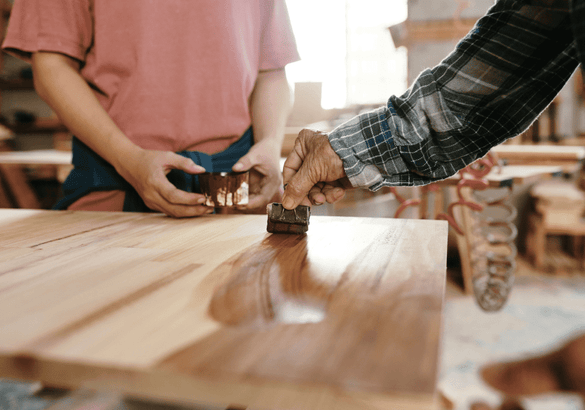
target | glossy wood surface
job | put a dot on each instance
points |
(217, 310)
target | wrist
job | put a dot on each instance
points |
(271, 146)
(124, 154)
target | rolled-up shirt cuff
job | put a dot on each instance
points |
(366, 146)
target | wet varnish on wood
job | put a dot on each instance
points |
(217, 310)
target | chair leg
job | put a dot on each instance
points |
(539, 241)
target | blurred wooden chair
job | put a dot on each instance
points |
(558, 208)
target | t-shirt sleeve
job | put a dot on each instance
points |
(62, 26)
(278, 46)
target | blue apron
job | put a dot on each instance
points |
(93, 173)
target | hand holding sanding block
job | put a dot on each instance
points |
(282, 220)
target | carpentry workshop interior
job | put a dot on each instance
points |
(467, 293)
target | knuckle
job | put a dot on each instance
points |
(293, 188)
(305, 132)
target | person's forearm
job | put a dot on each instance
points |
(270, 104)
(59, 83)
(490, 88)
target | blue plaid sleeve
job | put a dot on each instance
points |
(495, 83)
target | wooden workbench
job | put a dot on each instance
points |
(539, 154)
(216, 310)
(15, 190)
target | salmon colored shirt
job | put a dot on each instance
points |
(173, 74)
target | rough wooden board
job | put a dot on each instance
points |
(214, 309)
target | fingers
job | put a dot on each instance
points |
(243, 164)
(265, 182)
(316, 195)
(323, 192)
(333, 193)
(312, 161)
(147, 171)
(184, 164)
(176, 196)
(291, 165)
(261, 155)
(178, 210)
(298, 188)
(165, 197)
(264, 188)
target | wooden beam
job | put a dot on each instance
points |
(409, 32)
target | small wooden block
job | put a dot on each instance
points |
(282, 220)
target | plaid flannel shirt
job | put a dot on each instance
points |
(495, 83)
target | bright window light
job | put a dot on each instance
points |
(346, 45)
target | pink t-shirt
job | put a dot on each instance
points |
(173, 74)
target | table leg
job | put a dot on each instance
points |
(16, 181)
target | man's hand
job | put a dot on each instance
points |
(265, 179)
(313, 173)
(146, 171)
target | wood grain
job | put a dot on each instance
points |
(216, 310)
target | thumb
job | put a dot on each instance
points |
(185, 164)
(243, 164)
(298, 187)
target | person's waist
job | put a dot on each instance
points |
(212, 146)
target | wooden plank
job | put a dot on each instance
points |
(36, 157)
(42, 164)
(409, 32)
(509, 175)
(216, 310)
(539, 154)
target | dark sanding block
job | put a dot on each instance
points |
(282, 220)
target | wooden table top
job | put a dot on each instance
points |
(216, 310)
(509, 175)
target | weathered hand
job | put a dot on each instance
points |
(265, 179)
(146, 172)
(313, 173)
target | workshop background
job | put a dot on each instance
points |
(356, 53)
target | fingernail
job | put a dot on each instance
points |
(238, 167)
(200, 200)
(288, 203)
